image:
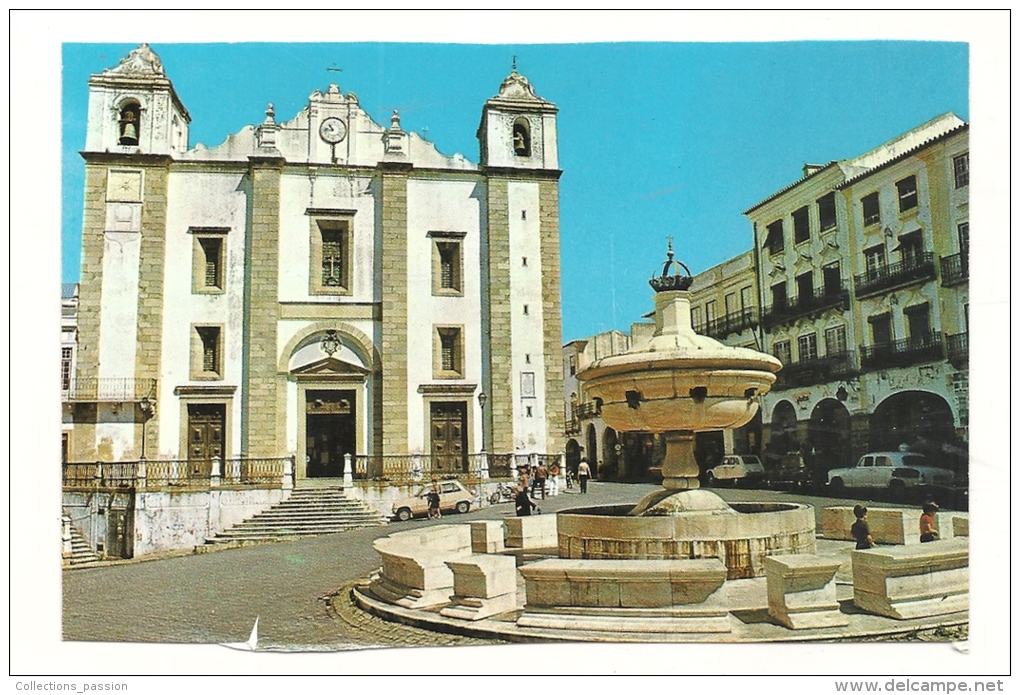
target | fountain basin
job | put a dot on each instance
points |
(741, 541)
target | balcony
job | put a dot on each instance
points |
(734, 322)
(902, 353)
(101, 390)
(956, 349)
(916, 269)
(804, 305)
(819, 370)
(586, 411)
(955, 269)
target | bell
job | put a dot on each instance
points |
(129, 134)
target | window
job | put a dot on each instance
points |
(731, 303)
(207, 353)
(918, 322)
(827, 211)
(330, 257)
(906, 189)
(774, 237)
(807, 347)
(961, 170)
(129, 122)
(911, 248)
(781, 350)
(527, 384)
(963, 234)
(881, 329)
(831, 279)
(573, 365)
(870, 209)
(801, 225)
(779, 296)
(448, 362)
(65, 368)
(696, 318)
(835, 341)
(745, 297)
(447, 263)
(208, 265)
(710, 312)
(805, 287)
(874, 261)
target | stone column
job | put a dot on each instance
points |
(679, 467)
(496, 309)
(549, 231)
(393, 350)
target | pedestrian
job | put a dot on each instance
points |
(583, 473)
(433, 500)
(860, 530)
(523, 502)
(554, 479)
(541, 476)
(928, 531)
(523, 478)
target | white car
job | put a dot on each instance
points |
(890, 469)
(453, 495)
(735, 469)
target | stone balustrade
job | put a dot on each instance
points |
(802, 591)
(675, 596)
(414, 572)
(526, 532)
(483, 585)
(912, 581)
(487, 537)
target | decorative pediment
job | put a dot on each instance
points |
(139, 62)
(516, 86)
(329, 366)
(333, 95)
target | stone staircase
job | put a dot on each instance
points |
(82, 554)
(307, 512)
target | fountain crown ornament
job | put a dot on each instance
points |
(676, 281)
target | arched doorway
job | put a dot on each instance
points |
(573, 455)
(784, 428)
(592, 451)
(747, 439)
(611, 463)
(829, 436)
(921, 420)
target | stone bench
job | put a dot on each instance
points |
(483, 585)
(961, 525)
(913, 581)
(414, 572)
(674, 596)
(887, 526)
(802, 591)
(487, 537)
(527, 532)
(836, 523)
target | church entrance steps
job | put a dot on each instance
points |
(307, 512)
(81, 552)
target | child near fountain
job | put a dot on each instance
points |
(928, 531)
(860, 530)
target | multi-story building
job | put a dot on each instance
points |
(68, 352)
(862, 268)
(314, 288)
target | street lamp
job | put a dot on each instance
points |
(148, 410)
(481, 404)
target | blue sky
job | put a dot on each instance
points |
(655, 139)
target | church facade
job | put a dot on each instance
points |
(315, 287)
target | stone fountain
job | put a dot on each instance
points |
(678, 384)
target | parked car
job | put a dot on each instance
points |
(895, 470)
(789, 472)
(736, 469)
(453, 495)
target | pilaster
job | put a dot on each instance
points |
(393, 351)
(552, 330)
(263, 424)
(501, 410)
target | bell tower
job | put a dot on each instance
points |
(133, 109)
(523, 374)
(518, 128)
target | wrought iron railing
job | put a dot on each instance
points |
(586, 411)
(957, 350)
(153, 473)
(421, 468)
(914, 269)
(733, 322)
(95, 389)
(818, 300)
(954, 269)
(901, 353)
(817, 371)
